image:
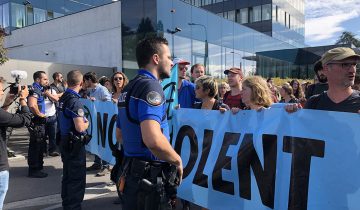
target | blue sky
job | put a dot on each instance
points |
(325, 20)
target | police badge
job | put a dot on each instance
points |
(154, 98)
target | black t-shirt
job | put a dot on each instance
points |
(323, 102)
(316, 89)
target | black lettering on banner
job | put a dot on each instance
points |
(110, 133)
(190, 133)
(265, 178)
(200, 178)
(101, 125)
(302, 149)
(224, 162)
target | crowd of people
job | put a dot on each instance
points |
(54, 114)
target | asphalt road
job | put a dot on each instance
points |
(44, 194)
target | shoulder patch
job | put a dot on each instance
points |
(80, 112)
(154, 98)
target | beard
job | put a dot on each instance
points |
(163, 74)
(322, 78)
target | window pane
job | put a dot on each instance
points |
(257, 13)
(18, 15)
(6, 15)
(29, 16)
(1, 15)
(266, 12)
(39, 15)
(231, 15)
(244, 15)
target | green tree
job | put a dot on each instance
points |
(3, 51)
(348, 38)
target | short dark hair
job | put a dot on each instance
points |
(103, 80)
(146, 48)
(195, 66)
(56, 74)
(318, 66)
(91, 76)
(37, 75)
(74, 78)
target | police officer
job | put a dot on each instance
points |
(73, 127)
(36, 103)
(144, 132)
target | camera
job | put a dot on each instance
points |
(14, 88)
(18, 76)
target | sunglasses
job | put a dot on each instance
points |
(118, 78)
(345, 65)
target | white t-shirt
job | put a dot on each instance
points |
(50, 109)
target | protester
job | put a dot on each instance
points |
(197, 71)
(105, 81)
(51, 98)
(206, 90)
(339, 66)
(10, 120)
(73, 125)
(321, 85)
(36, 102)
(287, 95)
(186, 89)
(255, 94)
(223, 88)
(59, 85)
(99, 93)
(143, 130)
(118, 81)
(232, 98)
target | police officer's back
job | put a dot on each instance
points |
(73, 127)
(142, 125)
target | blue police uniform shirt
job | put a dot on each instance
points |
(38, 94)
(146, 102)
(70, 107)
(186, 94)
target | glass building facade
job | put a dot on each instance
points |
(281, 19)
(204, 37)
(16, 14)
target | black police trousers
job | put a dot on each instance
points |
(73, 157)
(140, 196)
(36, 147)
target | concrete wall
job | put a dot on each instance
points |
(90, 38)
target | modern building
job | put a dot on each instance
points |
(281, 19)
(102, 35)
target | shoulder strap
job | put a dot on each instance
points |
(127, 101)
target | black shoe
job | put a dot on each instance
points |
(54, 154)
(37, 174)
(94, 167)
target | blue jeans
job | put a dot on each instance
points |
(4, 184)
(50, 131)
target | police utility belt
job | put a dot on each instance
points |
(152, 174)
(77, 138)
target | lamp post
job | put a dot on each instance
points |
(206, 44)
(172, 32)
(240, 61)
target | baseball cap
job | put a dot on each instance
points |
(337, 54)
(233, 70)
(180, 61)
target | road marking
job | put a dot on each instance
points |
(56, 199)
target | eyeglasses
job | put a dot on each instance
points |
(346, 66)
(182, 68)
(118, 78)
